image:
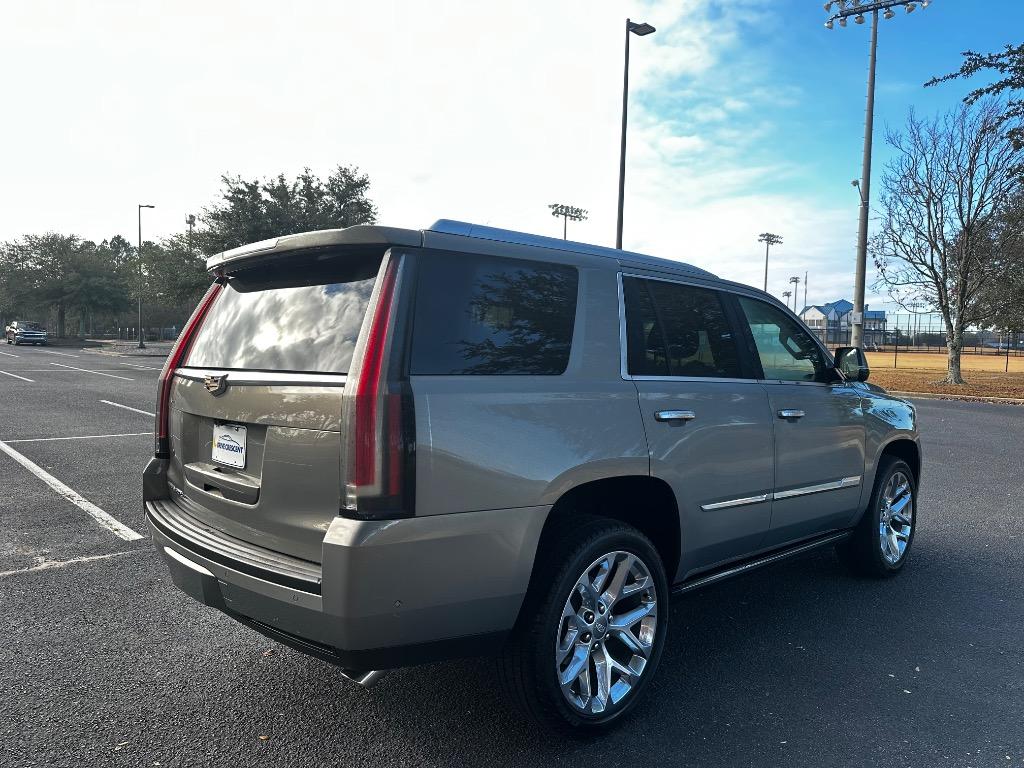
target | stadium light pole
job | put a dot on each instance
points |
(796, 290)
(769, 239)
(639, 29)
(568, 212)
(142, 344)
(857, 9)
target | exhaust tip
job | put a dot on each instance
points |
(366, 679)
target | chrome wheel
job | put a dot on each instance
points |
(897, 517)
(606, 632)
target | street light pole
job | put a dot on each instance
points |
(769, 239)
(142, 344)
(857, 9)
(639, 29)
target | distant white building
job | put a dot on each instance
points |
(832, 322)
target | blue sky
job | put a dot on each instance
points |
(745, 115)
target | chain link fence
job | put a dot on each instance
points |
(921, 333)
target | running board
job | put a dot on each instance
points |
(759, 562)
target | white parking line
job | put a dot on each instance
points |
(51, 352)
(16, 376)
(8, 354)
(117, 528)
(127, 408)
(98, 373)
(91, 370)
(145, 367)
(48, 564)
(76, 437)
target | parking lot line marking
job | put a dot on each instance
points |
(75, 437)
(127, 408)
(48, 564)
(8, 354)
(51, 352)
(16, 376)
(145, 367)
(116, 527)
(50, 370)
(98, 373)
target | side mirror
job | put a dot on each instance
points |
(852, 363)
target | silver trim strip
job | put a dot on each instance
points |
(265, 378)
(623, 361)
(736, 502)
(188, 563)
(835, 485)
(847, 482)
(768, 560)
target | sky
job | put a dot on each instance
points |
(745, 116)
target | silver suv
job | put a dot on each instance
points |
(386, 446)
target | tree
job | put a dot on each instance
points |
(946, 195)
(255, 210)
(175, 274)
(1003, 297)
(1010, 64)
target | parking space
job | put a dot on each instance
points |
(104, 662)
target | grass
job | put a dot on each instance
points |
(921, 371)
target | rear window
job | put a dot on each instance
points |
(297, 313)
(484, 315)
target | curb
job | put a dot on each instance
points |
(964, 398)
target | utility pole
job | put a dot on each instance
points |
(769, 240)
(857, 9)
(190, 220)
(567, 212)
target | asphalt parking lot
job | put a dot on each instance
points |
(104, 662)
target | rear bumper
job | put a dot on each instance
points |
(387, 594)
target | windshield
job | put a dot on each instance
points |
(30, 326)
(296, 315)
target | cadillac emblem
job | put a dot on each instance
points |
(216, 385)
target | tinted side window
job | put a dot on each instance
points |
(678, 330)
(484, 315)
(786, 350)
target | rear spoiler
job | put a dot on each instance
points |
(359, 235)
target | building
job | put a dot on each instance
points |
(833, 323)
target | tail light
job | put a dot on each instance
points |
(173, 362)
(378, 414)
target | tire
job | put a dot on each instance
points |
(548, 639)
(866, 552)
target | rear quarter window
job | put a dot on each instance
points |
(492, 316)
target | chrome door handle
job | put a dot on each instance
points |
(791, 413)
(674, 415)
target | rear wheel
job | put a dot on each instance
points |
(880, 544)
(592, 629)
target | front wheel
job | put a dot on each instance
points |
(880, 544)
(592, 628)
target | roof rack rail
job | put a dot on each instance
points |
(466, 229)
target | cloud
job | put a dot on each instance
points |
(458, 109)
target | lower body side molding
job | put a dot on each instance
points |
(737, 569)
